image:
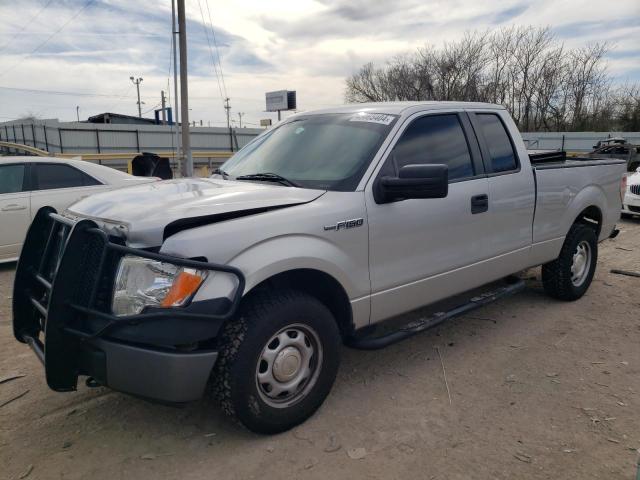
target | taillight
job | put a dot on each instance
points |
(623, 187)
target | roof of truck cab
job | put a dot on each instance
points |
(397, 108)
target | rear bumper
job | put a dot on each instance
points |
(61, 308)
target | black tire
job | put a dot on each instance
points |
(557, 275)
(262, 315)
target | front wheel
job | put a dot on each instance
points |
(278, 360)
(568, 277)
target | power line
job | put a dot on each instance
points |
(215, 42)
(111, 95)
(205, 28)
(32, 19)
(152, 108)
(59, 92)
(73, 17)
(125, 94)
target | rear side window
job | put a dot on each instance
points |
(49, 176)
(11, 178)
(503, 157)
(435, 139)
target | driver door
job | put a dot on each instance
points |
(421, 249)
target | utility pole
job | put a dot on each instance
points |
(176, 110)
(78, 112)
(227, 107)
(163, 102)
(240, 114)
(136, 82)
(184, 89)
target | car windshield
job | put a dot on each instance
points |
(323, 151)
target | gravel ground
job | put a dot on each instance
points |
(539, 389)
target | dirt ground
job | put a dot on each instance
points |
(540, 389)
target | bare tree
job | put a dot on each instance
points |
(543, 85)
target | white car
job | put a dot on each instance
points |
(631, 203)
(28, 183)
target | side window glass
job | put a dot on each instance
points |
(435, 139)
(49, 176)
(88, 180)
(503, 157)
(11, 178)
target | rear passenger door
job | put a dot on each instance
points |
(419, 248)
(511, 187)
(14, 209)
(59, 185)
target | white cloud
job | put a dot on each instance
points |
(306, 45)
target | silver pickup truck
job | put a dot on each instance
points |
(246, 284)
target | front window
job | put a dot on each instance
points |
(325, 151)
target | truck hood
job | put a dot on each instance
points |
(143, 212)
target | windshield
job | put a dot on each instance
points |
(325, 151)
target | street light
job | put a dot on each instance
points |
(136, 82)
(78, 112)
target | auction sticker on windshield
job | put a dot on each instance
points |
(373, 118)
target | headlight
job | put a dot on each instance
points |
(141, 282)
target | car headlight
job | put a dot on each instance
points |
(141, 282)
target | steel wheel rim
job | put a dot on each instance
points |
(289, 365)
(581, 263)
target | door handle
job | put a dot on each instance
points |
(13, 207)
(479, 203)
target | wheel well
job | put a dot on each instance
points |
(591, 216)
(321, 286)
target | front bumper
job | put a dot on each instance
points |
(631, 203)
(61, 308)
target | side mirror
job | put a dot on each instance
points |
(638, 170)
(413, 181)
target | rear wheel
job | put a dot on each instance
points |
(568, 277)
(278, 360)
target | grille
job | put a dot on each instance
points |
(635, 189)
(63, 286)
(58, 236)
(56, 252)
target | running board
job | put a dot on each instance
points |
(415, 327)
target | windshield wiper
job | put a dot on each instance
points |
(268, 177)
(220, 172)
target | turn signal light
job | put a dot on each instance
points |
(623, 188)
(183, 287)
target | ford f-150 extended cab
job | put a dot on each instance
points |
(245, 284)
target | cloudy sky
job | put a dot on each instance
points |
(59, 54)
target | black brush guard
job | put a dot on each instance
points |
(63, 288)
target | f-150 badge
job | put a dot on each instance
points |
(344, 224)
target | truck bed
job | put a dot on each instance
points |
(563, 190)
(575, 162)
(552, 160)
